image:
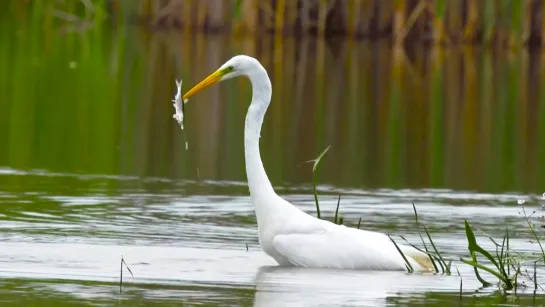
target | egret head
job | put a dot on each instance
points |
(237, 66)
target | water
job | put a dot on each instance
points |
(192, 248)
(93, 167)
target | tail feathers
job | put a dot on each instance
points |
(422, 259)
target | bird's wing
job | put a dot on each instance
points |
(342, 247)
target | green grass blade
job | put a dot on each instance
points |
(316, 196)
(314, 168)
(359, 223)
(508, 254)
(501, 255)
(423, 251)
(481, 280)
(337, 210)
(535, 276)
(534, 233)
(440, 264)
(424, 243)
(474, 247)
(461, 283)
(317, 160)
(437, 251)
(501, 259)
(484, 268)
(415, 214)
(407, 263)
(427, 251)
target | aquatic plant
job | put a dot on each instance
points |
(506, 263)
(314, 178)
(337, 219)
(407, 263)
(435, 256)
(121, 273)
(502, 261)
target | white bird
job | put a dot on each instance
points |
(286, 233)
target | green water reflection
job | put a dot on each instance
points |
(70, 293)
(98, 102)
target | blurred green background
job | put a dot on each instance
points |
(85, 87)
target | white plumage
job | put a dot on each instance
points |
(286, 233)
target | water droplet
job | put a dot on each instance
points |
(521, 201)
(543, 196)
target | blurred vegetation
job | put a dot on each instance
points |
(98, 101)
(506, 23)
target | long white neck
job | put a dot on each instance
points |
(260, 186)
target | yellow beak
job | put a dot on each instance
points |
(210, 80)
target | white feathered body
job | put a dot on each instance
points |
(292, 237)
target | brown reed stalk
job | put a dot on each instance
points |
(366, 13)
(291, 15)
(385, 13)
(322, 16)
(144, 8)
(527, 22)
(202, 11)
(454, 17)
(413, 18)
(437, 10)
(542, 22)
(248, 21)
(353, 12)
(187, 13)
(472, 20)
(399, 21)
(279, 16)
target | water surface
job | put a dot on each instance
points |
(202, 248)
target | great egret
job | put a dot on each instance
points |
(286, 233)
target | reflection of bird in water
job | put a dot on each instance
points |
(286, 233)
(292, 286)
